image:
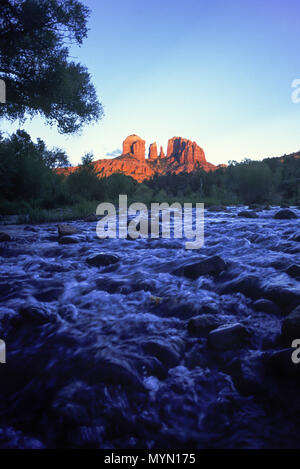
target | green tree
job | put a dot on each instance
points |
(56, 158)
(35, 38)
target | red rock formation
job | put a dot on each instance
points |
(135, 146)
(162, 154)
(185, 151)
(153, 151)
(182, 156)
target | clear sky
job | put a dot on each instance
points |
(218, 72)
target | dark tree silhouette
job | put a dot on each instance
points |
(35, 37)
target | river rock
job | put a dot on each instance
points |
(167, 353)
(66, 230)
(111, 370)
(4, 236)
(293, 271)
(36, 314)
(31, 228)
(67, 240)
(91, 217)
(291, 326)
(217, 208)
(227, 337)
(266, 306)
(211, 266)
(247, 214)
(102, 259)
(296, 237)
(280, 364)
(199, 325)
(285, 214)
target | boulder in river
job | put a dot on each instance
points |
(280, 364)
(67, 240)
(291, 326)
(296, 237)
(217, 208)
(227, 337)
(247, 214)
(199, 325)
(167, 352)
(266, 306)
(4, 236)
(210, 266)
(285, 214)
(102, 259)
(66, 230)
(294, 271)
(91, 217)
(37, 314)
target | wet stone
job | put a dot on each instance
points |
(247, 214)
(66, 230)
(227, 337)
(211, 266)
(102, 259)
(266, 306)
(68, 240)
(4, 237)
(202, 324)
(291, 326)
(285, 214)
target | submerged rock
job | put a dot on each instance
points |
(110, 370)
(266, 306)
(201, 324)
(167, 353)
(285, 214)
(67, 240)
(91, 217)
(211, 266)
(36, 314)
(296, 237)
(294, 271)
(280, 364)
(65, 230)
(102, 259)
(291, 326)
(227, 337)
(4, 236)
(247, 214)
(217, 208)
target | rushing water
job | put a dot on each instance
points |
(103, 357)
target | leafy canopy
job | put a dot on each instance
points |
(35, 37)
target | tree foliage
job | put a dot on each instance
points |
(35, 38)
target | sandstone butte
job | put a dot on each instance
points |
(183, 155)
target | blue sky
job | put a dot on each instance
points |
(213, 71)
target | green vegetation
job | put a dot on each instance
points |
(31, 188)
(35, 38)
(271, 181)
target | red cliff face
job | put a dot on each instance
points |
(183, 155)
(162, 154)
(134, 146)
(153, 151)
(185, 151)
